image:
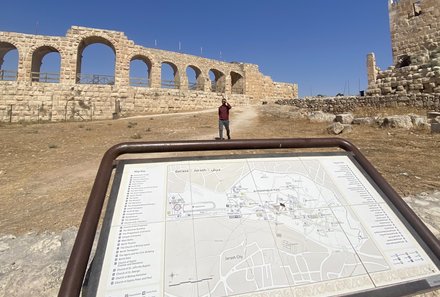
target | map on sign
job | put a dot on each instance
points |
(269, 226)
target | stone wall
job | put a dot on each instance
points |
(347, 104)
(282, 90)
(53, 102)
(415, 38)
(415, 29)
(25, 94)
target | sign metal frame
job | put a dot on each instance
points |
(78, 261)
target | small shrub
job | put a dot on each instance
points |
(80, 126)
(52, 145)
(148, 129)
(131, 124)
(136, 136)
(88, 129)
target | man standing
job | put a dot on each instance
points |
(223, 118)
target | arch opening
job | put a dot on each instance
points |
(8, 62)
(237, 83)
(96, 55)
(403, 61)
(195, 79)
(169, 76)
(46, 65)
(140, 72)
(218, 80)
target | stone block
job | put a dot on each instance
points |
(432, 115)
(345, 118)
(363, 121)
(335, 128)
(435, 128)
(319, 116)
(418, 121)
(397, 122)
(386, 90)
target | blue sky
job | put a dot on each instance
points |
(319, 44)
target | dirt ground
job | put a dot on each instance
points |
(47, 169)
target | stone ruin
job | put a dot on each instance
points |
(413, 80)
(27, 94)
(415, 38)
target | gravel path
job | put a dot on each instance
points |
(33, 264)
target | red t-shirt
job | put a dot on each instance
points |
(223, 112)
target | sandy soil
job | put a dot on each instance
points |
(47, 169)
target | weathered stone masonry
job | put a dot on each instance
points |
(415, 37)
(350, 104)
(28, 97)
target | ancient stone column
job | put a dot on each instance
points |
(372, 69)
(155, 75)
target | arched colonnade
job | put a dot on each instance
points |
(187, 72)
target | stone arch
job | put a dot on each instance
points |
(218, 81)
(141, 81)
(8, 74)
(96, 79)
(170, 84)
(237, 83)
(38, 55)
(196, 82)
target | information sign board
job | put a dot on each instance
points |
(267, 225)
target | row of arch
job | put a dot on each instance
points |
(162, 74)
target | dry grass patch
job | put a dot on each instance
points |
(43, 188)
